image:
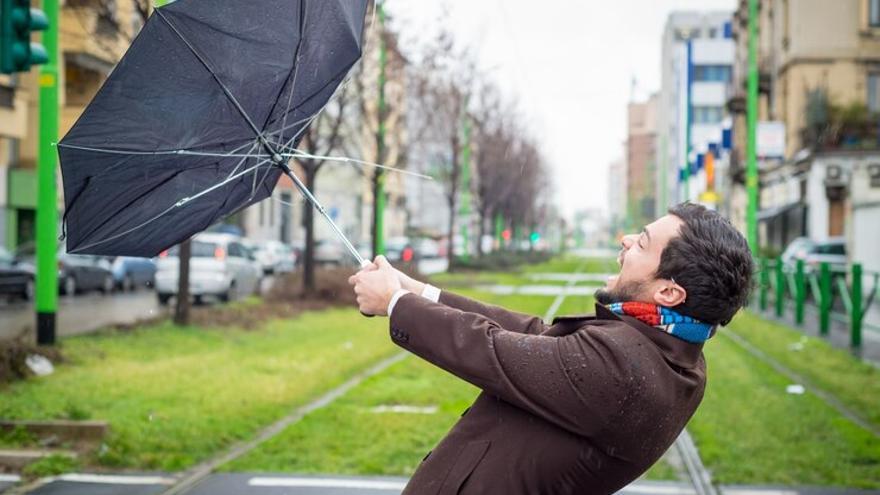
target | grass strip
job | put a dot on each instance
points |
(174, 396)
(749, 430)
(855, 383)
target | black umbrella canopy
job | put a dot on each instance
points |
(182, 132)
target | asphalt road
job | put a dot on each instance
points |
(269, 484)
(82, 313)
(88, 312)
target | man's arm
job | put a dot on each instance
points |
(565, 380)
(509, 320)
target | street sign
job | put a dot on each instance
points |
(771, 139)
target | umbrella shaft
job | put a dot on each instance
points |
(318, 206)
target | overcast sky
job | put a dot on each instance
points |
(570, 62)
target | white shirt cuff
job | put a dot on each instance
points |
(431, 293)
(394, 298)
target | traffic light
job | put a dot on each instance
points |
(17, 21)
(535, 237)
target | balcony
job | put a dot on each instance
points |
(850, 136)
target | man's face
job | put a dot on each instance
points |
(638, 259)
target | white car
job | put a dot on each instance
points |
(274, 256)
(221, 266)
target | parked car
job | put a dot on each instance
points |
(130, 273)
(284, 257)
(220, 266)
(16, 278)
(274, 256)
(796, 249)
(330, 252)
(427, 248)
(814, 253)
(76, 272)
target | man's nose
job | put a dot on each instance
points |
(627, 241)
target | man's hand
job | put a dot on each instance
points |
(408, 282)
(374, 287)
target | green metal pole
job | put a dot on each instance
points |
(800, 292)
(825, 302)
(465, 209)
(780, 288)
(499, 231)
(47, 195)
(765, 282)
(664, 174)
(379, 189)
(689, 113)
(855, 317)
(752, 130)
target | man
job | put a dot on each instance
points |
(588, 404)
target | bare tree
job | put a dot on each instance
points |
(442, 88)
(322, 138)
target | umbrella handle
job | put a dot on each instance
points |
(318, 206)
(364, 264)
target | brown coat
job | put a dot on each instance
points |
(580, 407)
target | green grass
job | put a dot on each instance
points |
(853, 382)
(174, 396)
(349, 438)
(570, 264)
(749, 430)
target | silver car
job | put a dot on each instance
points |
(221, 266)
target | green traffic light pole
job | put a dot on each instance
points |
(751, 131)
(379, 176)
(47, 196)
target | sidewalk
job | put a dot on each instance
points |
(839, 333)
(287, 484)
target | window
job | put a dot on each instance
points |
(707, 115)
(874, 13)
(712, 73)
(235, 250)
(874, 91)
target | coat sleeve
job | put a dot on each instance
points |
(509, 320)
(564, 380)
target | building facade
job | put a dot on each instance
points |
(640, 160)
(819, 82)
(696, 63)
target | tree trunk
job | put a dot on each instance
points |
(311, 173)
(452, 200)
(181, 310)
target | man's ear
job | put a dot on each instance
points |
(669, 294)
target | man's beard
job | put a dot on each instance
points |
(625, 292)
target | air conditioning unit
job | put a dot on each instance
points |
(874, 174)
(834, 176)
(835, 182)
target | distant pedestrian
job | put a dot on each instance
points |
(586, 405)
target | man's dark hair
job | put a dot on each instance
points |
(712, 261)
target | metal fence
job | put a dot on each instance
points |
(844, 294)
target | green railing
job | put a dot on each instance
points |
(833, 292)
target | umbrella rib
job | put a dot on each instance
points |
(178, 204)
(216, 78)
(296, 60)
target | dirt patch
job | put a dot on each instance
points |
(13, 356)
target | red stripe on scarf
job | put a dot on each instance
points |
(648, 313)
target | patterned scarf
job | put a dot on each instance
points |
(667, 320)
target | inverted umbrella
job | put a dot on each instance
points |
(200, 117)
